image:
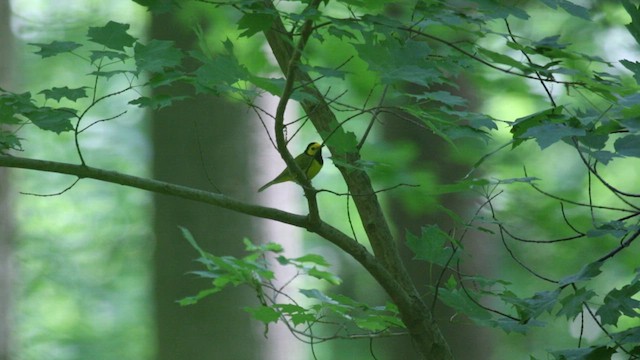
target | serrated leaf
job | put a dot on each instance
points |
(157, 56)
(57, 93)
(620, 302)
(55, 48)
(9, 141)
(113, 35)
(572, 304)
(549, 134)
(431, 245)
(531, 308)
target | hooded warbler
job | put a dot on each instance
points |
(310, 161)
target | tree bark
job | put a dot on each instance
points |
(6, 205)
(414, 312)
(193, 138)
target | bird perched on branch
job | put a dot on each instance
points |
(310, 161)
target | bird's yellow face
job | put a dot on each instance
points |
(313, 148)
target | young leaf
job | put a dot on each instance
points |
(325, 275)
(113, 35)
(312, 258)
(265, 314)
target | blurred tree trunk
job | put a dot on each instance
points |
(6, 208)
(467, 342)
(192, 138)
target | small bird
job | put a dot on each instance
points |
(310, 161)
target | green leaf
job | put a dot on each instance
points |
(312, 258)
(460, 302)
(443, 97)
(628, 146)
(156, 102)
(109, 74)
(400, 62)
(590, 353)
(265, 314)
(523, 124)
(254, 22)
(56, 120)
(157, 56)
(433, 245)
(573, 303)
(568, 6)
(55, 48)
(12, 105)
(634, 12)
(192, 241)
(324, 275)
(510, 325)
(620, 302)
(498, 58)
(614, 228)
(262, 248)
(372, 323)
(587, 272)
(318, 295)
(531, 308)
(113, 35)
(549, 134)
(57, 93)
(190, 300)
(100, 54)
(634, 67)
(9, 141)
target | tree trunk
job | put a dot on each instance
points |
(192, 138)
(6, 205)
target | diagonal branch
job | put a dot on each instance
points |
(415, 314)
(281, 142)
(335, 236)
